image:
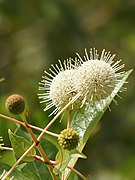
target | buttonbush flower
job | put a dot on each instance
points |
(59, 86)
(68, 139)
(92, 77)
(15, 104)
(97, 77)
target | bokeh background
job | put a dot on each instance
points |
(34, 34)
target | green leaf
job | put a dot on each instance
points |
(61, 155)
(86, 119)
(20, 145)
(77, 153)
(64, 156)
(36, 169)
(74, 176)
(18, 175)
(32, 170)
(21, 166)
(6, 156)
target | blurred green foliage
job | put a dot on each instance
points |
(34, 34)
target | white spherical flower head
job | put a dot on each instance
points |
(62, 88)
(97, 78)
(59, 87)
(90, 79)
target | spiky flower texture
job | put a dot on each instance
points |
(93, 77)
(62, 88)
(59, 86)
(97, 78)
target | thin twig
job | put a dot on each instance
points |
(18, 161)
(77, 172)
(39, 147)
(39, 158)
(68, 122)
(63, 175)
(34, 138)
(57, 115)
(29, 125)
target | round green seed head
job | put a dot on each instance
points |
(68, 139)
(15, 104)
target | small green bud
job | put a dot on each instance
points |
(15, 104)
(68, 139)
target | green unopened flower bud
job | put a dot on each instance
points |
(15, 104)
(68, 139)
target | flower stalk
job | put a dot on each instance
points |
(38, 146)
(29, 125)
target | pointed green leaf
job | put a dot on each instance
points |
(36, 169)
(86, 119)
(62, 154)
(17, 175)
(20, 145)
(63, 157)
(21, 166)
(77, 153)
